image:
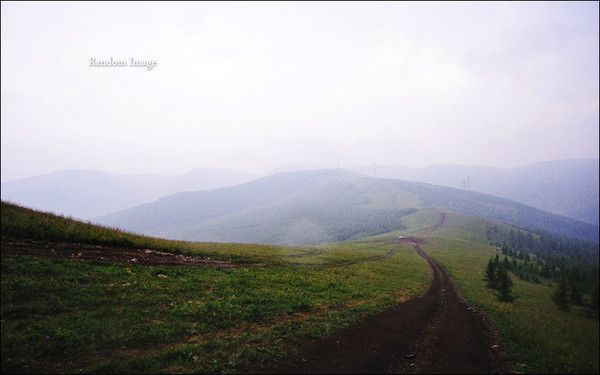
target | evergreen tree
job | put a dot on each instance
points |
(505, 284)
(490, 275)
(576, 297)
(561, 295)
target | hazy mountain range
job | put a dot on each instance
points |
(320, 206)
(88, 193)
(316, 206)
(565, 187)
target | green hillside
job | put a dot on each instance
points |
(539, 338)
(64, 315)
(320, 206)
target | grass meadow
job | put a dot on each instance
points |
(79, 316)
(538, 337)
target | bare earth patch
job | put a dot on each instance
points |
(107, 254)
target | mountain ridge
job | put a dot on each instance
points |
(566, 187)
(86, 193)
(320, 206)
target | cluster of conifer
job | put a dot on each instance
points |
(497, 278)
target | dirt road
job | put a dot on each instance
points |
(436, 333)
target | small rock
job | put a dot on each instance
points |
(79, 254)
(133, 260)
(410, 356)
(162, 276)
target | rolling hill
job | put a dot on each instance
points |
(309, 207)
(82, 298)
(88, 193)
(564, 187)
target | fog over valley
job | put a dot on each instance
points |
(254, 87)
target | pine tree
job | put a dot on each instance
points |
(561, 295)
(505, 284)
(490, 275)
(576, 297)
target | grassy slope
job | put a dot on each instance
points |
(200, 319)
(19, 222)
(539, 338)
(63, 315)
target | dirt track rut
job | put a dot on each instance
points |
(108, 254)
(435, 333)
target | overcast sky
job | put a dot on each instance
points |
(256, 86)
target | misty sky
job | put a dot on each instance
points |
(256, 86)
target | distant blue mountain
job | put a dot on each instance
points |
(88, 193)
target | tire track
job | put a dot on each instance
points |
(435, 333)
(349, 262)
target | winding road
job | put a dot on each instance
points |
(438, 332)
